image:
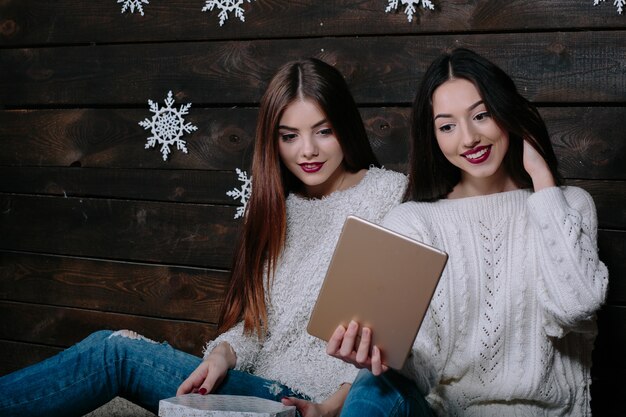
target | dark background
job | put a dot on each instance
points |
(98, 232)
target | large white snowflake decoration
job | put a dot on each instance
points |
(132, 4)
(226, 6)
(167, 126)
(411, 6)
(618, 3)
(243, 193)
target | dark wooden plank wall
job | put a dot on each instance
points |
(97, 232)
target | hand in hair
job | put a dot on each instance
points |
(537, 168)
(343, 344)
(210, 373)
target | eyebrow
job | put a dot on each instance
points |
(321, 122)
(472, 107)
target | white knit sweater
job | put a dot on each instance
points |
(288, 354)
(511, 326)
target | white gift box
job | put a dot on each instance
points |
(196, 405)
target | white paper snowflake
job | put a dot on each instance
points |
(618, 3)
(132, 4)
(167, 126)
(243, 193)
(226, 6)
(411, 6)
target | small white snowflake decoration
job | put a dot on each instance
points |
(411, 6)
(618, 3)
(225, 7)
(132, 4)
(243, 193)
(167, 126)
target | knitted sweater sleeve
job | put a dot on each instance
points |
(573, 281)
(245, 346)
(423, 362)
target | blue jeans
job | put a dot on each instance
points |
(387, 395)
(102, 366)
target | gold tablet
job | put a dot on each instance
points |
(382, 280)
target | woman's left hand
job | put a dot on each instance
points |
(537, 168)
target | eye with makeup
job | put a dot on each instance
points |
(326, 131)
(287, 136)
(482, 116)
(446, 128)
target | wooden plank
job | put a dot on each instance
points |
(571, 67)
(148, 290)
(72, 21)
(63, 327)
(141, 184)
(112, 138)
(585, 143)
(171, 233)
(16, 355)
(587, 140)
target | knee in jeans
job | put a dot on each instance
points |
(130, 335)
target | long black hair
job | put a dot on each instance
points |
(431, 175)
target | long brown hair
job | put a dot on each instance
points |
(431, 175)
(263, 234)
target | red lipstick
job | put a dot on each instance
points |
(311, 167)
(478, 154)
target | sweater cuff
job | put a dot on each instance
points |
(543, 202)
(245, 347)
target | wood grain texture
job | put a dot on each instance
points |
(568, 67)
(113, 138)
(26, 22)
(588, 142)
(173, 233)
(17, 355)
(191, 186)
(158, 291)
(63, 327)
(98, 232)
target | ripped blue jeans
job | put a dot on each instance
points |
(108, 364)
(387, 395)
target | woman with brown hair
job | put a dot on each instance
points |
(312, 167)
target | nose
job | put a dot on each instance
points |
(309, 147)
(471, 138)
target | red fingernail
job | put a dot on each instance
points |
(202, 391)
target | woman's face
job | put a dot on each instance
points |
(467, 134)
(309, 148)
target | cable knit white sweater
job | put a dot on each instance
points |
(511, 326)
(288, 354)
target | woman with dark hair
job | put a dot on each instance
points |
(432, 175)
(511, 326)
(312, 167)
